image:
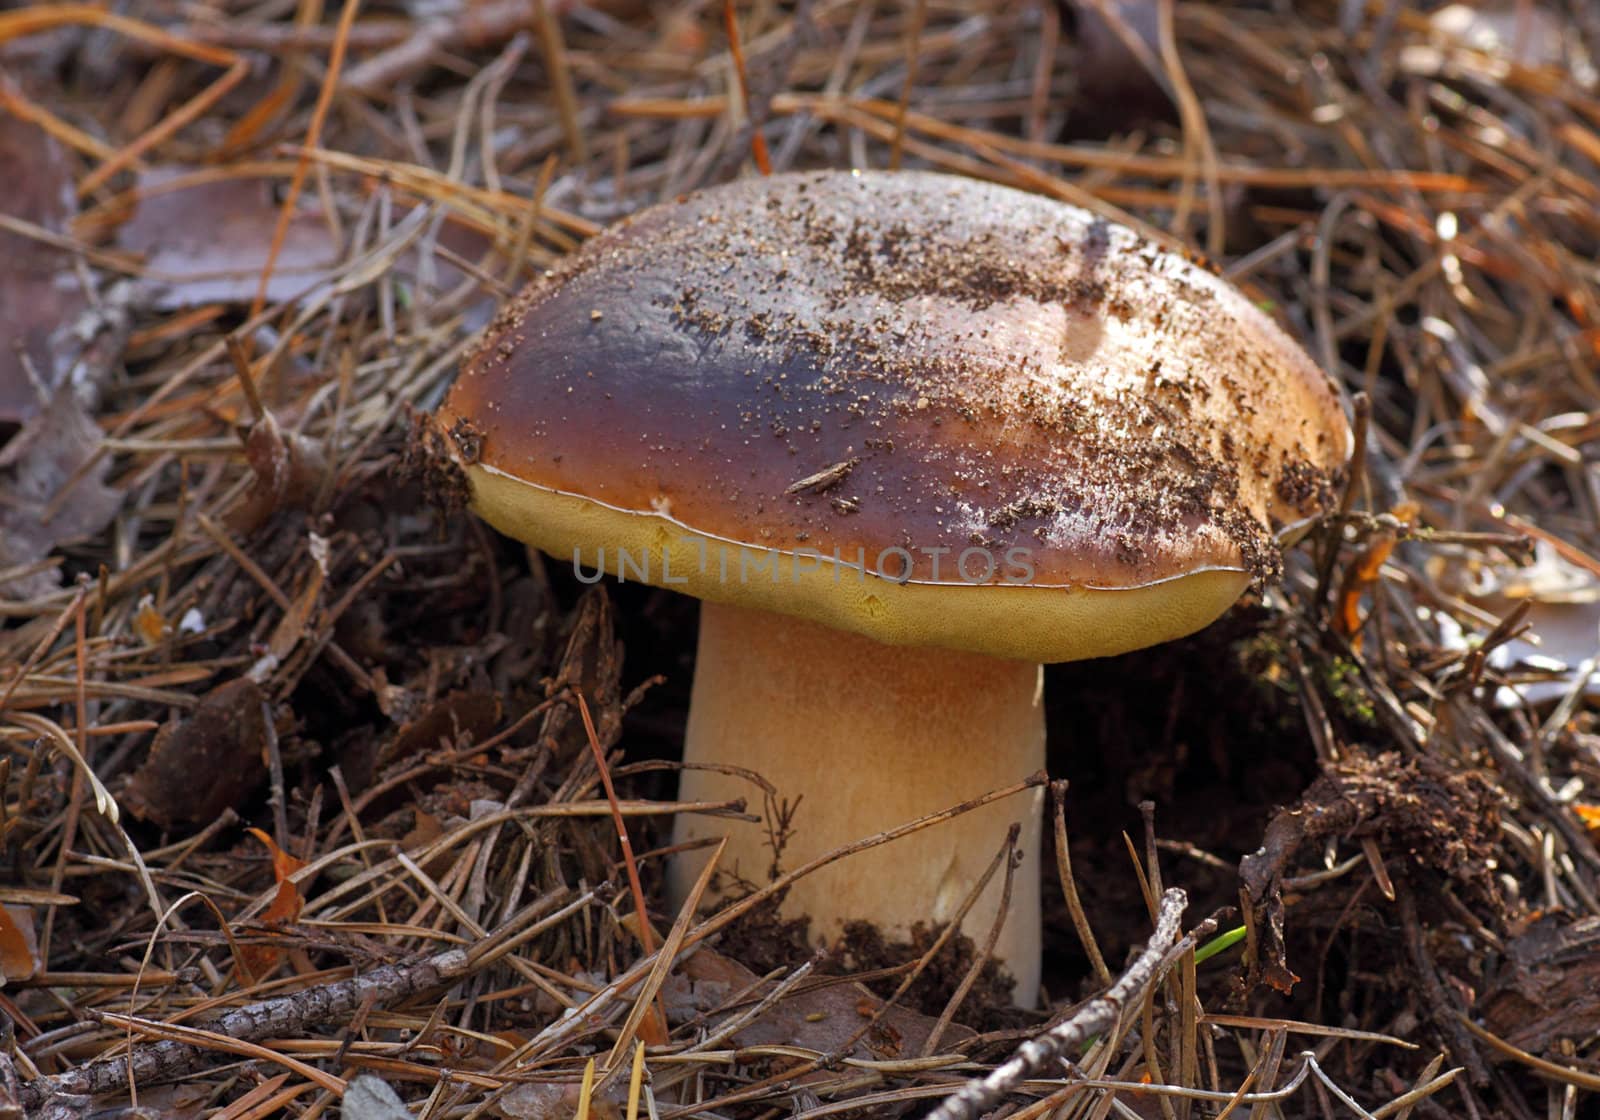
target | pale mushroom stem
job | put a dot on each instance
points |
(866, 736)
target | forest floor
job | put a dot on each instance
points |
(297, 802)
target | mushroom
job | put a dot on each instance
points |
(909, 437)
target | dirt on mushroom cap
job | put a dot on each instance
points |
(858, 362)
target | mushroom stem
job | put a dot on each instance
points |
(859, 737)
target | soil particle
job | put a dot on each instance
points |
(1307, 490)
(764, 940)
(864, 949)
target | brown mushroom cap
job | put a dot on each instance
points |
(879, 366)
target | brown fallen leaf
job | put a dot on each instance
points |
(425, 830)
(287, 469)
(19, 943)
(817, 1018)
(283, 864)
(474, 714)
(558, 1100)
(38, 462)
(1545, 986)
(39, 295)
(259, 960)
(206, 240)
(208, 761)
(52, 357)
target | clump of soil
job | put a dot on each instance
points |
(765, 940)
(987, 1004)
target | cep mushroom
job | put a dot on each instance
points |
(908, 437)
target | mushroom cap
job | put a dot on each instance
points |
(924, 408)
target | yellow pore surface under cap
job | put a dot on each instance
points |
(1019, 620)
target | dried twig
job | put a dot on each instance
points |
(1095, 1017)
(288, 1015)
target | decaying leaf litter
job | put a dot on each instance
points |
(227, 607)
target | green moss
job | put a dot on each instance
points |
(1263, 658)
(1341, 680)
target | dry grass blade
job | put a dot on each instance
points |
(1294, 1027)
(636, 1081)
(645, 1003)
(48, 731)
(1069, 885)
(654, 1026)
(47, 17)
(319, 114)
(586, 1091)
(758, 142)
(1582, 1079)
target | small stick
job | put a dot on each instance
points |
(239, 353)
(278, 795)
(74, 805)
(282, 1017)
(1097, 1016)
(1069, 886)
(1152, 857)
(1361, 406)
(825, 479)
(1442, 1009)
